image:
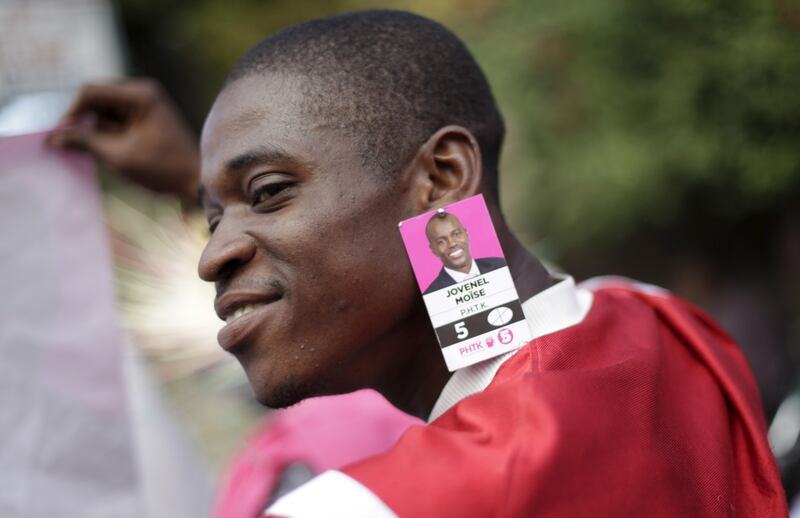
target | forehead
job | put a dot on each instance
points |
(265, 112)
(439, 226)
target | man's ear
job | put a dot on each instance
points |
(446, 169)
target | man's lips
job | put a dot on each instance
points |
(234, 304)
(456, 254)
(241, 330)
(242, 312)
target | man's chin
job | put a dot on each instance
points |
(285, 394)
(460, 266)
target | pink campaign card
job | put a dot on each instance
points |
(465, 281)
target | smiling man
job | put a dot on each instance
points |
(323, 138)
(449, 241)
(628, 401)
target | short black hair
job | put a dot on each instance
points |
(390, 78)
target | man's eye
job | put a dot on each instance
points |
(266, 192)
(212, 224)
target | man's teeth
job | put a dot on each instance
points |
(241, 312)
(456, 253)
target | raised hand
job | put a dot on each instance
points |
(134, 128)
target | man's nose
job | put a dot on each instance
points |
(223, 254)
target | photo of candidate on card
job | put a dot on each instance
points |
(449, 242)
(452, 244)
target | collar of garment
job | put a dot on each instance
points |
(560, 306)
(461, 276)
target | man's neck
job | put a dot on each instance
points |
(416, 382)
(464, 269)
(530, 275)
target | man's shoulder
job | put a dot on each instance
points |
(490, 263)
(637, 357)
(442, 280)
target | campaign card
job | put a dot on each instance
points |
(465, 282)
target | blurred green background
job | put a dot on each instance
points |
(658, 140)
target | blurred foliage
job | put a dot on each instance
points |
(624, 107)
(617, 110)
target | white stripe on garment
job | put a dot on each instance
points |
(330, 495)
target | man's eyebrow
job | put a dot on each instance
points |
(261, 155)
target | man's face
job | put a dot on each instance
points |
(449, 242)
(310, 271)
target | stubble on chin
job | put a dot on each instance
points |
(290, 392)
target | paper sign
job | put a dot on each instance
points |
(465, 282)
(64, 423)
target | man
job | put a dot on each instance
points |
(449, 241)
(627, 401)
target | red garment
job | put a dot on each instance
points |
(645, 408)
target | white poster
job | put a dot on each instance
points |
(65, 435)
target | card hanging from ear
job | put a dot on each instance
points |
(465, 282)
